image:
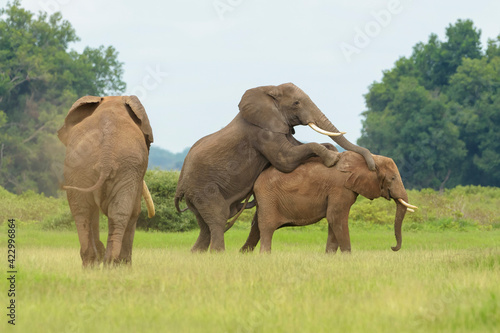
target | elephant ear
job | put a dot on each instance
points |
(259, 106)
(80, 110)
(361, 180)
(138, 113)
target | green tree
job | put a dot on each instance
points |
(39, 80)
(475, 94)
(437, 61)
(414, 129)
(437, 113)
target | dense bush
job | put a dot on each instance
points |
(28, 207)
(460, 208)
(162, 185)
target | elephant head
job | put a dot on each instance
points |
(86, 106)
(384, 182)
(280, 108)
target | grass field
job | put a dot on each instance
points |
(440, 281)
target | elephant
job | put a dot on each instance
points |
(107, 143)
(313, 191)
(220, 169)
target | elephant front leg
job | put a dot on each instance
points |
(332, 244)
(338, 217)
(266, 239)
(285, 156)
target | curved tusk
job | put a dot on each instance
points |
(404, 203)
(410, 210)
(149, 201)
(322, 131)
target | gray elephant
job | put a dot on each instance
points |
(313, 191)
(107, 143)
(220, 169)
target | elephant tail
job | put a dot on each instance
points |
(178, 198)
(149, 201)
(100, 181)
(245, 205)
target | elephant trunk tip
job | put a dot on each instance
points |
(396, 248)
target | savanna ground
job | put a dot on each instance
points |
(444, 279)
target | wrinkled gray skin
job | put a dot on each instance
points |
(107, 143)
(312, 192)
(220, 169)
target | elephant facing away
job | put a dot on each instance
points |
(221, 168)
(313, 192)
(107, 143)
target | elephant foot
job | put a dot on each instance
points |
(197, 249)
(331, 158)
(247, 249)
(91, 264)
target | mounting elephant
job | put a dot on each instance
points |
(107, 143)
(220, 169)
(313, 191)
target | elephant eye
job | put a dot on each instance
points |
(296, 103)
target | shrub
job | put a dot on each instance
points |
(28, 207)
(162, 186)
(460, 208)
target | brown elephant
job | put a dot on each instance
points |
(221, 168)
(313, 191)
(107, 143)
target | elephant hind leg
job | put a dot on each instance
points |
(253, 237)
(217, 235)
(125, 256)
(203, 241)
(212, 217)
(212, 228)
(122, 218)
(86, 215)
(96, 242)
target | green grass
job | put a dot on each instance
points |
(440, 281)
(444, 279)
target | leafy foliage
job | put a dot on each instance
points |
(461, 208)
(40, 78)
(437, 113)
(162, 186)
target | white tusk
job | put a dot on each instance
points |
(410, 210)
(404, 203)
(322, 131)
(149, 201)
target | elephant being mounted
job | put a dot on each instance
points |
(220, 169)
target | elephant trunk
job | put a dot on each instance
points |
(398, 221)
(325, 124)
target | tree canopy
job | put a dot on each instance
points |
(437, 113)
(40, 78)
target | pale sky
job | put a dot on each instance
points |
(190, 61)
